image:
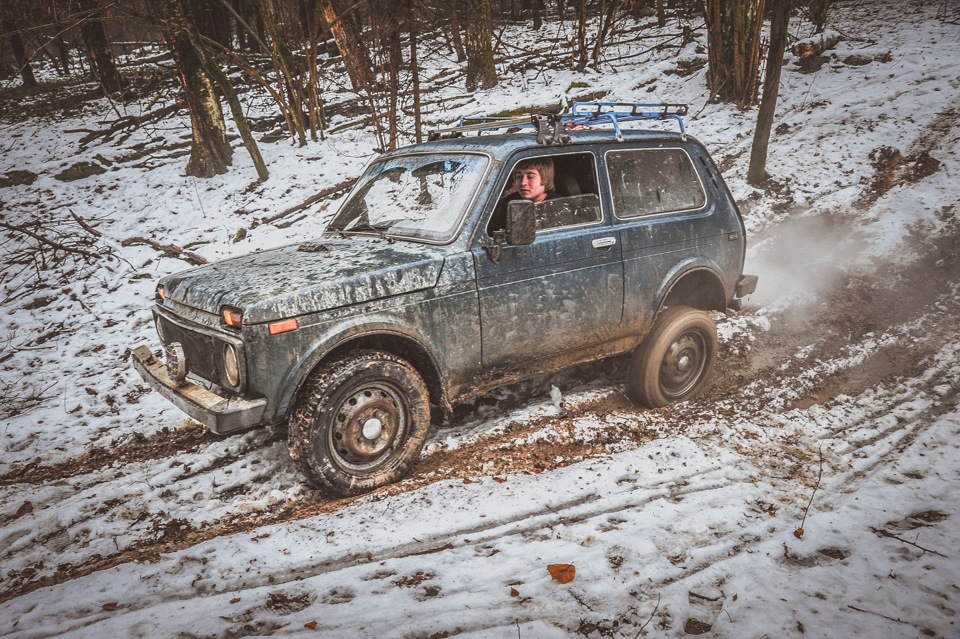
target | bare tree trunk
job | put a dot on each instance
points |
(212, 18)
(537, 14)
(733, 43)
(63, 50)
(238, 117)
(315, 33)
(455, 28)
(481, 72)
(396, 59)
(661, 15)
(19, 53)
(287, 74)
(580, 53)
(779, 22)
(608, 17)
(354, 60)
(414, 71)
(210, 152)
(98, 48)
(818, 14)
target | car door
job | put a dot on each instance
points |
(665, 219)
(563, 292)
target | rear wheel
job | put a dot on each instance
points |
(360, 423)
(675, 359)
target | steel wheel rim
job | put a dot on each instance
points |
(369, 425)
(683, 364)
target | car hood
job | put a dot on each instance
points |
(307, 277)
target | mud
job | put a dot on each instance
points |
(168, 442)
(908, 310)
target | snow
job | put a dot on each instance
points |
(688, 512)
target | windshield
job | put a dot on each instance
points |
(414, 196)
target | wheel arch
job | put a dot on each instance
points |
(698, 286)
(394, 342)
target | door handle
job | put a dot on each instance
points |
(604, 242)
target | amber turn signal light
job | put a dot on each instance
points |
(232, 317)
(284, 326)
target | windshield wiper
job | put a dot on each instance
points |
(380, 230)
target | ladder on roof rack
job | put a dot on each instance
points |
(551, 128)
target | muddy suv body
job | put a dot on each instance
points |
(363, 337)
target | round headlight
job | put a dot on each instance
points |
(231, 365)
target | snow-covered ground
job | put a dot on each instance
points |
(835, 409)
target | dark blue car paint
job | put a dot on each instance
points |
(466, 322)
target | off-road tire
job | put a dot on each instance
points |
(674, 361)
(360, 423)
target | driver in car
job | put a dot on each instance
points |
(532, 180)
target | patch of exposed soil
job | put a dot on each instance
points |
(908, 299)
(169, 442)
(892, 168)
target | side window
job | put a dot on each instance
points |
(570, 184)
(650, 181)
(569, 210)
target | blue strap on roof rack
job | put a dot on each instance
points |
(592, 113)
(551, 128)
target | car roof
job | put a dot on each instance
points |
(502, 146)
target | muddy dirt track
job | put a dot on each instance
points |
(870, 328)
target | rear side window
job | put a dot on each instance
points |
(651, 181)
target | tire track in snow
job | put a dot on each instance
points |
(819, 380)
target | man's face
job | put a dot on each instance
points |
(530, 184)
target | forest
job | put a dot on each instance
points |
(320, 59)
(810, 490)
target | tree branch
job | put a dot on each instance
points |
(883, 533)
(52, 244)
(170, 250)
(322, 195)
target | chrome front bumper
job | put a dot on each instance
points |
(218, 413)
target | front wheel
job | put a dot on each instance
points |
(360, 423)
(675, 359)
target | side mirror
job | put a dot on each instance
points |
(521, 223)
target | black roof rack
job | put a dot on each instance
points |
(552, 128)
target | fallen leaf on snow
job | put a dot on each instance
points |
(109, 606)
(514, 592)
(312, 625)
(563, 573)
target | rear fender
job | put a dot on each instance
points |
(697, 283)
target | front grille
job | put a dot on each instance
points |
(202, 352)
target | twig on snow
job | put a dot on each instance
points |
(86, 227)
(810, 503)
(883, 533)
(870, 612)
(51, 243)
(652, 614)
(322, 195)
(169, 250)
